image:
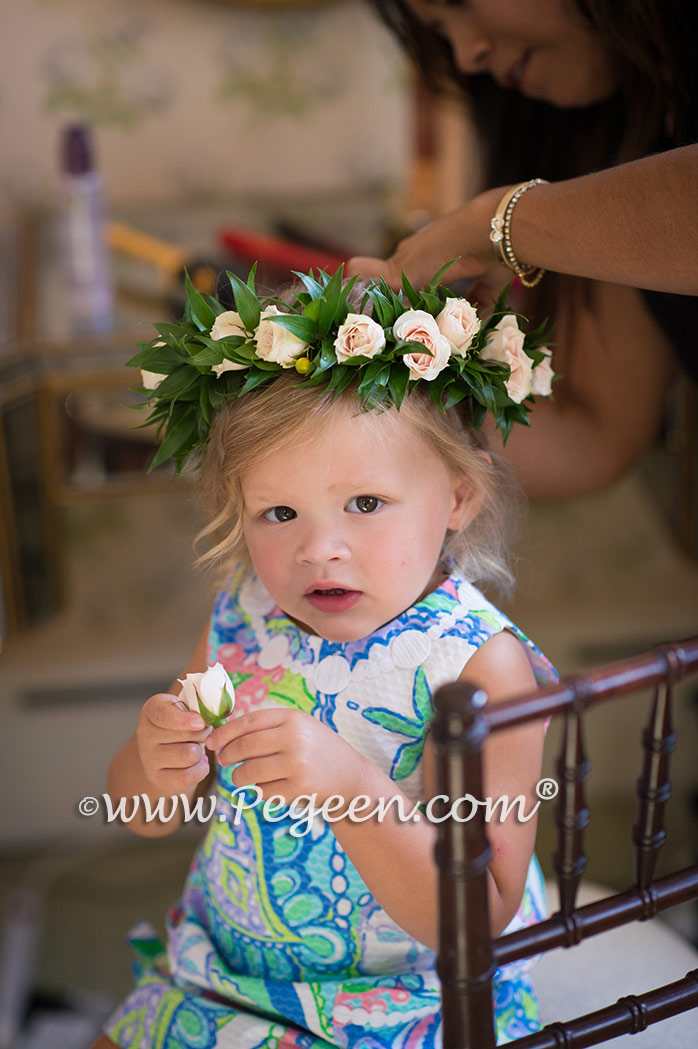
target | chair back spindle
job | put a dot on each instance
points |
(572, 815)
(653, 787)
(466, 966)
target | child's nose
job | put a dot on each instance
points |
(320, 546)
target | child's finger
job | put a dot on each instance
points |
(164, 711)
(252, 722)
(278, 788)
(179, 755)
(258, 771)
(172, 780)
(262, 743)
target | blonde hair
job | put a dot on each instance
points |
(249, 428)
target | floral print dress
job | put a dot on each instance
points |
(276, 941)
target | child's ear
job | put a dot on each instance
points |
(467, 502)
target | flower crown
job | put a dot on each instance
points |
(410, 337)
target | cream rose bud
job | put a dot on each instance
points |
(210, 694)
(228, 366)
(459, 322)
(542, 377)
(420, 326)
(274, 342)
(359, 336)
(227, 323)
(151, 380)
(506, 346)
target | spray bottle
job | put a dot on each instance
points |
(83, 238)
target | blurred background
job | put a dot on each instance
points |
(137, 140)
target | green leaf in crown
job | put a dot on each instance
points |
(389, 345)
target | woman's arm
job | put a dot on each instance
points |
(634, 224)
(616, 366)
(186, 767)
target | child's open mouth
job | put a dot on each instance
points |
(333, 598)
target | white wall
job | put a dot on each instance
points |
(192, 99)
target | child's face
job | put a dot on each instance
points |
(345, 525)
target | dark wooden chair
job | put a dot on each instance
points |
(468, 956)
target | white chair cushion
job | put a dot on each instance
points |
(631, 960)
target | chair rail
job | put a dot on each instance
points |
(629, 1015)
(466, 964)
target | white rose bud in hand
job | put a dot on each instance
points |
(210, 694)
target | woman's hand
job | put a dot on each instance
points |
(170, 743)
(463, 235)
(289, 753)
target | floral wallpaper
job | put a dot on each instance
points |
(104, 77)
(197, 99)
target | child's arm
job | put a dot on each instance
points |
(164, 757)
(290, 753)
(512, 766)
(396, 860)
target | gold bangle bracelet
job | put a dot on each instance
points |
(500, 234)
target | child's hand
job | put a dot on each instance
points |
(170, 744)
(287, 752)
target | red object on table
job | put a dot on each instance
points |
(277, 252)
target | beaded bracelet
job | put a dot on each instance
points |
(500, 234)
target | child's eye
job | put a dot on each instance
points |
(280, 513)
(363, 504)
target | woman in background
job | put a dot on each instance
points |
(576, 92)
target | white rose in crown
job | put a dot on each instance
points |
(210, 694)
(459, 322)
(359, 336)
(506, 346)
(420, 326)
(274, 342)
(227, 323)
(151, 380)
(543, 375)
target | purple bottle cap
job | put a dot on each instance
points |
(77, 151)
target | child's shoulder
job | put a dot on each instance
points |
(467, 603)
(485, 622)
(239, 600)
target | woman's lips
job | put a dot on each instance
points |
(332, 599)
(517, 74)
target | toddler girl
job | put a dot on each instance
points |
(351, 496)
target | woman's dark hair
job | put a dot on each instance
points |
(653, 44)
